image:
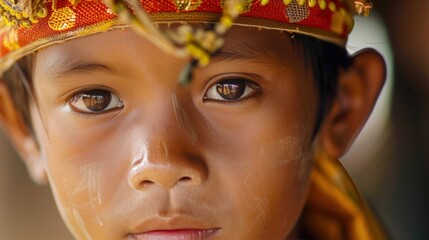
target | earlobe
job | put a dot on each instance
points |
(34, 161)
(358, 90)
(20, 136)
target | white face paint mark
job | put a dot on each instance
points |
(93, 177)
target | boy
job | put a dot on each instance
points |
(243, 148)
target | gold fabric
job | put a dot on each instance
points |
(335, 209)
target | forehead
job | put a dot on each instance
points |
(240, 43)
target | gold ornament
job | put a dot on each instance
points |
(10, 40)
(62, 19)
(337, 22)
(363, 7)
(247, 5)
(187, 5)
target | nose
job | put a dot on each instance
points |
(166, 172)
(169, 155)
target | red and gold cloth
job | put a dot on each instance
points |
(28, 25)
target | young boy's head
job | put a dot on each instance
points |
(130, 153)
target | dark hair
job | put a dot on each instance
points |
(325, 58)
(14, 83)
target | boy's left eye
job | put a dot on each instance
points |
(228, 90)
(95, 101)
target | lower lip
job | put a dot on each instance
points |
(179, 234)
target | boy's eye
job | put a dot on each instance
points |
(231, 90)
(95, 101)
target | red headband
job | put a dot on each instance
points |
(27, 28)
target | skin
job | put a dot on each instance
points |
(173, 157)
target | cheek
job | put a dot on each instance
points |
(82, 170)
(266, 177)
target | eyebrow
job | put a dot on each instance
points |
(73, 65)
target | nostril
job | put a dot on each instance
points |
(145, 183)
(142, 184)
(185, 179)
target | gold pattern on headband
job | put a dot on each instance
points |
(62, 19)
(297, 12)
(187, 5)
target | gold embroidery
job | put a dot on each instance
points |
(187, 5)
(62, 19)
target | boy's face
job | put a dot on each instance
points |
(131, 154)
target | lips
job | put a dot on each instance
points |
(179, 227)
(176, 234)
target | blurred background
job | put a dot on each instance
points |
(389, 161)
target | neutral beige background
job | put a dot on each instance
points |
(27, 211)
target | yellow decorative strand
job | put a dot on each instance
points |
(264, 2)
(23, 13)
(312, 3)
(131, 12)
(301, 2)
(332, 6)
(322, 4)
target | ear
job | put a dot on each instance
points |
(20, 136)
(357, 93)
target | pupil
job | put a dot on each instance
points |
(231, 89)
(96, 100)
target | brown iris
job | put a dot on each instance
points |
(231, 89)
(96, 100)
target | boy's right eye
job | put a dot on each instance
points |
(95, 101)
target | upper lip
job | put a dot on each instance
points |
(176, 222)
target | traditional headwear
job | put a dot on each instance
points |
(28, 25)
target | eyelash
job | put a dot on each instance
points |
(77, 96)
(255, 88)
